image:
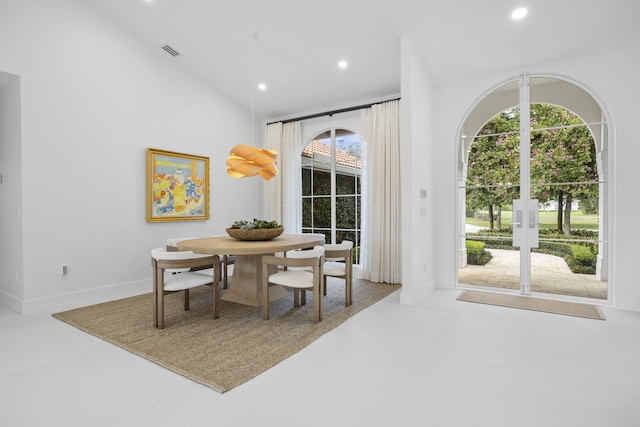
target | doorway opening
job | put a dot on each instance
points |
(533, 191)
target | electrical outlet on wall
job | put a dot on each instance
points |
(64, 270)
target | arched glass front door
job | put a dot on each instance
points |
(532, 181)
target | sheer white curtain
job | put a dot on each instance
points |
(283, 193)
(381, 250)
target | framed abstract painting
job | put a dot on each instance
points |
(177, 186)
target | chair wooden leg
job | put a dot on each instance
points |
(296, 297)
(186, 299)
(317, 293)
(216, 292)
(160, 308)
(317, 303)
(265, 292)
(225, 273)
(324, 285)
(155, 308)
(320, 307)
(155, 294)
(303, 298)
(158, 300)
(349, 284)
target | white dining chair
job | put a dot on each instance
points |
(227, 261)
(171, 273)
(339, 263)
(302, 270)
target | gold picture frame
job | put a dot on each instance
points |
(177, 186)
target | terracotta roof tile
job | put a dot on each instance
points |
(342, 158)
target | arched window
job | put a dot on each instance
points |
(331, 186)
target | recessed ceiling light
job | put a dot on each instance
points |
(262, 86)
(519, 13)
(342, 64)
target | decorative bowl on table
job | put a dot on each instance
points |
(256, 230)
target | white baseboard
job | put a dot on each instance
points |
(67, 301)
(11, 301)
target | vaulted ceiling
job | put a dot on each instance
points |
(299, 42)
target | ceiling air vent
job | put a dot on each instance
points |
(170, 50)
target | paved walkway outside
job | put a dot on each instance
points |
(549, 274)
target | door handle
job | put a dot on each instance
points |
(518, 221)
(533, 219)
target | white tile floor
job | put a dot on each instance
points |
(439, 363)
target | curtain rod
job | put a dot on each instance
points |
(332, 112)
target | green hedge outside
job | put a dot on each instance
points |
(476, 254)
(581, 260)
(581, 257)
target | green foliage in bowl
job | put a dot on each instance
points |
(256, 224)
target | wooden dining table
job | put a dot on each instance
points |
(246, 282)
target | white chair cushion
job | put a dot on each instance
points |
(306, 253)
(316, 252)
(346, 244)
(331, 268)
(182, 281)
(162, 253)
(293, 279)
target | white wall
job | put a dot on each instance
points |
(10, 189)
(418, 157)
(612, 77)
(311, 128)
(93, 99)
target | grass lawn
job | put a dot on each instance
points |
(547, 220)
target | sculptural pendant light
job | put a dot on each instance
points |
(248, 160)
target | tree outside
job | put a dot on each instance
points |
(563, 164)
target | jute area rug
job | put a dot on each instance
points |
(531, 303)
(226, 352)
